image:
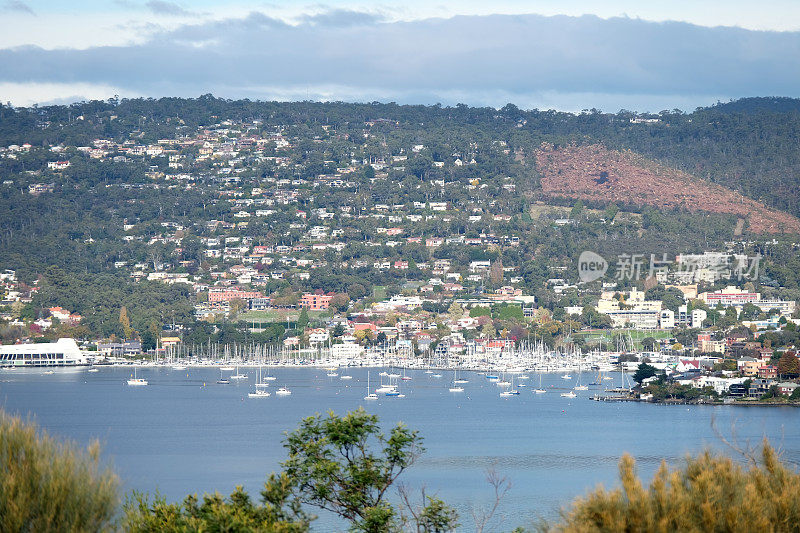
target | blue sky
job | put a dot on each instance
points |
(568, 55)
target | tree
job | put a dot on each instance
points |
(710, 493)
(125, 322)
(643, 372)
(302, 320)
(215, 513)
(455, 311)
(649, 344)
(789, 365)
(332, 466)
(340, 301)
(496, 272)
(49, 486)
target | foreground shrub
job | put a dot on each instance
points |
(50, 486)
(215, 513)
(710, 493)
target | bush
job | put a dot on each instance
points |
(51, 486)
(711, 493)
(215, 513)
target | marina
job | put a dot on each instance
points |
(551, 448)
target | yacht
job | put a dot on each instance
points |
(259, 393)
(237, 375)
(370, 395)
(136, 382)
(93, 370)
(570, 394)
(283, 391)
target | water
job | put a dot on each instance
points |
(185, 434)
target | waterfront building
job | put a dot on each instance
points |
(64, 352)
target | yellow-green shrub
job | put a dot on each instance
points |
(710, 493)
(50, 486)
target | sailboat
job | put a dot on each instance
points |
(457, 380)
(405, 378)
(237, 375)
(579, 386)
(259, 392)
(370, 395)
(260, 383)
(540, 390)
(456, 387)
(136, 382)
(510, 392)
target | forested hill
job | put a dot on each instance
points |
(748, 145)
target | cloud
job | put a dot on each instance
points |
(342, 18)
(478, 59)
(163, 7)
(17, 5)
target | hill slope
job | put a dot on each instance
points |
(595, 173)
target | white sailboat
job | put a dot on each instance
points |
(237, 375)
(136, 382)
(458, 380)
(580, 386)
(370, 395)
(260, 383)
(540, 390)
(258, 393)
(456, 387)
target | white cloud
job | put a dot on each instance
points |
(27, 94)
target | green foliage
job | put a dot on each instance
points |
(49, 486)
(509, 312)
(332, 465)
(479, 310)
(643, 372)
(710, 493)
(275, 514)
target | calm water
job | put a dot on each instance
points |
(184, 433)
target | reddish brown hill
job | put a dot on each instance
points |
(595, 173)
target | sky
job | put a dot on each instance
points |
(643, 55)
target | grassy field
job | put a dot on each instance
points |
(277, 315)
(379, 293)
(607, 336)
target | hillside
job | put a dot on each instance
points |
(597, 174)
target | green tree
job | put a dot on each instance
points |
(302, 320)
(331, 466)
(125, 322)
(649, 344)
(235, 513)
(643, 372)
